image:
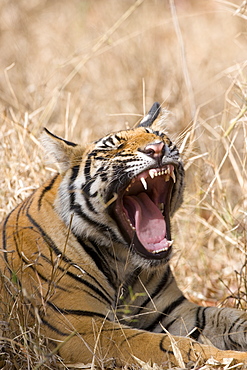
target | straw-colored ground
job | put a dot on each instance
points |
(84, 68)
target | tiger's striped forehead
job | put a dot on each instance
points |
(131, 140)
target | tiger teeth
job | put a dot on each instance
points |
(161, 207)
(160, 250)
(173, 176)
(167, 172)
(132, 227)
(167, 177)
(144, 183)
(152, 173)
(170, 242)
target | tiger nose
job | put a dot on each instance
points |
(155, 150)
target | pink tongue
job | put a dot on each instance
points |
(148, 221)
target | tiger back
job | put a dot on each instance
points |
(76, 252)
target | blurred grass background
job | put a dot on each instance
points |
(83, 68)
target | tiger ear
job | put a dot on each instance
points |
(60, 149)
(151, 116)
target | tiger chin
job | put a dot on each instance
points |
(88, 253)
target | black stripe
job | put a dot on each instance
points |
(119, 138)
(91, 286)
(99, 226)
(235, 344)
(89, 181)
(4, 236)
(74, 173)
(103, 175)
(100, 261)
(48, 240)
(110, 139)
(127, 338)
(25, 204)
(74, 170)
(51, 244)
(65, 311)
(86, 187)
(170, 324)
(59, 138)
(78, 278)
(87, 167)
(53, 328)
(167, 311)
(162, 348)
(46, 237)
(122, 154)
(42, 277)
(45, 190)
(130, 282)
(161, 286)
(15, 233)
(89, 205)
(200, 322)
(174, 305)
(195, 334)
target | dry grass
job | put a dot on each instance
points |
(84, 68)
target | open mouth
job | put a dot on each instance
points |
(142, 212)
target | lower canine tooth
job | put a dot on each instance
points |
(161, 207)
(173, 176)
(144, 183)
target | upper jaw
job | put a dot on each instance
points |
(142, 212)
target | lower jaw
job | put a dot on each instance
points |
(139, 249)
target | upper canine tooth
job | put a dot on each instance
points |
(151, 173)
(144, 183)
(173, 176)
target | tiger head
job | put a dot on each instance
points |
(121, 190)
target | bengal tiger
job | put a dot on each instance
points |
(90, 249)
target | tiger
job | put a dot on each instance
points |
(89, 251)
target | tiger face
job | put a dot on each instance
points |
(130, 184)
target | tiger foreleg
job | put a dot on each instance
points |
(102, 341)
(226, 328)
